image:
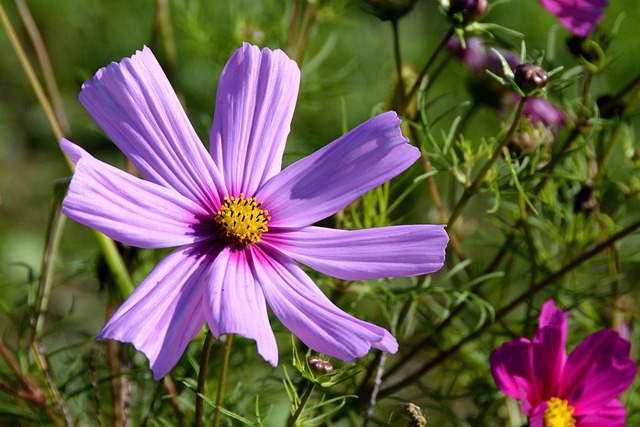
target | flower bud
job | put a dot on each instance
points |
(320, 366)
(530, 78)
(389, 10)
(469, 10)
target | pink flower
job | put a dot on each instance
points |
(556, 390)
(240, 222)
(578, 16)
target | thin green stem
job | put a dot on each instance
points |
(33, 79)
(202, 378)
(470, 191)
(398, 58)
(45, 65)
(308, 388)
(425, 70)
(222, 380)
(54, 235)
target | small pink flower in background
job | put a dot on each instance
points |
(578, 16)
(240, 222)
(557, 390)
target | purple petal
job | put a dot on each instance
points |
(399, 251)
(548, 347)
(134, 103)
(165, 312)
(597, 371)
(255, 101)
(511, 367)
(578, 16)
(309, 314)
(540, 110)
(125, 208)
(326, 181)
(234, 303)
(611, 415)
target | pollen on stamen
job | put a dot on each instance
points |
(559, 413)
(241, 221)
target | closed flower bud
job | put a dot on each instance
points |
(471, 10)
(320, 366)
(389, 10)
(530, 78)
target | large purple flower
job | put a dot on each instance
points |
(579, 390)
(239, 221)
(578, 16)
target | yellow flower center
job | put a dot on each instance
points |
(558, 413)
(241, 221)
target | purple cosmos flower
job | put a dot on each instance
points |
(578, 16)
(581, 389)
(239, 221)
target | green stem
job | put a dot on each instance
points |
(202, 378)
(31, 75)
(398, 58)
(54, 235)
(471, 190)
(222, 380)
(308, 388)
(426, 69)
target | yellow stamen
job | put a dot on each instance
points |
(241, 221)
(558, 413)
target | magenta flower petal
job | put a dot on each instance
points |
(578, 16)
(128, 209)
(597, 371)
(326, 181)
(234, 303)
(255, 101)
(165, 312)
(309, 314)
(511, 367)
(611, 415)
(134, 103)
(548, 349)
(399, 251)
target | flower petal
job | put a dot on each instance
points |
(309, 314)
(578, 16)
(256, 97)
(326, 181)
(597, 371)
(511, 366)
(611, 415)
(400, 251)
(234, 303)
(549, 354)
(125, 208)
(165, 312)
(134, 103)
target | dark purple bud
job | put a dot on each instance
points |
(389, 10)
(320, 366)
(530, 77)
(470, 10)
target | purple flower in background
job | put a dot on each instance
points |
(540, 110)
(580, 389)
(239, 222)
(578, 16)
